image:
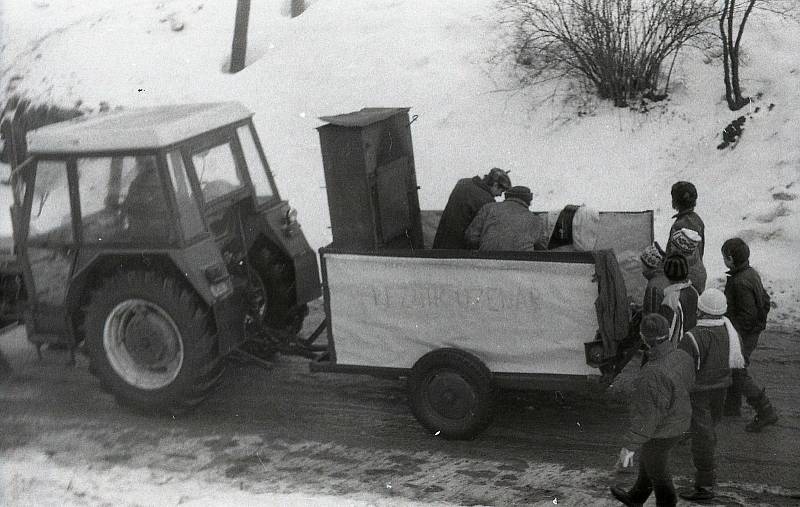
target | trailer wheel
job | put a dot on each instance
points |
(150, 342)
(451, 393)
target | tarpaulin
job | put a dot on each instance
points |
(516, 316)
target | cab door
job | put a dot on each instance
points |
(48, 248)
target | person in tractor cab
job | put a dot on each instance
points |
(468, 196)
(507, 225)
(144, 206)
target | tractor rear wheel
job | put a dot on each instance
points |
(277, 285)
(150, 342)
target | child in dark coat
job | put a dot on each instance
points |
(660, 412)
(747, 310)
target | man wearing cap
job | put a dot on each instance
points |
(468, 196)
(687, 242)
(684, 199)
(715, 348)
(652, 259)
(660, 412)
(679, 305)
(507, 225)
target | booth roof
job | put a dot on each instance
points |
(364, 117)
(134, 129)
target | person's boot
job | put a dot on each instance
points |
(765, 414)
(733, 405)
(697, 494)
(624, 497)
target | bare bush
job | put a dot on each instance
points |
(619, 46)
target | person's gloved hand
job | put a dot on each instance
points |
(625, 459)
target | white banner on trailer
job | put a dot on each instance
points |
(516, 316)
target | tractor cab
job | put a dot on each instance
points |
(147, 207)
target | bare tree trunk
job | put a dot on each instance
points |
(726, 56)
(737, 91)
(239, 47)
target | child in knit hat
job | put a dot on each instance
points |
(652, 259)
(687, 242)
(679, 305)
(715, 348)
(660, 412)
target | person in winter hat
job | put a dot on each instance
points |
(660, 412)
(652, 259)
(679, 305)
(748, 306)
(686, 242)
(684, 200)
(468, 196)
(714, 346)
(507, 225)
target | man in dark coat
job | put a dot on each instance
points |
(660, 413)
(507, 225)
(468, 196)
(714, 346)
(684, 199)
(747, 310)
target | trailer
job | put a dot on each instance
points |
(458, 325)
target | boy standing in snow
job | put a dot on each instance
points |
(684, 199)
(660, 412)
(680, 297)
(714, 346)
(748, 305)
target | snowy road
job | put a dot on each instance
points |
(290, 437)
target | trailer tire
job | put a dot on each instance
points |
(451, 393)
(150, 341)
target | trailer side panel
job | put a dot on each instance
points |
(517, 316)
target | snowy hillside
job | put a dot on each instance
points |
(340, 56)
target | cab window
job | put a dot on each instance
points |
(50, 210)
(184, 196)
(258, 173)
(216, 171)
(122, 199)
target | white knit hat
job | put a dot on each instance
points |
(712, 302)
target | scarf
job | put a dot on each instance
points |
(671, 299)
(735, 358)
